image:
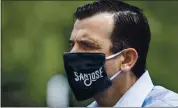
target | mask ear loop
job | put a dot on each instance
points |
(114, 55)
(116, 74)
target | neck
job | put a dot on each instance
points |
(119, 87)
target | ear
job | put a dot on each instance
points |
(130, 57)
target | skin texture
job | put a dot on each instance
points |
(92, 34)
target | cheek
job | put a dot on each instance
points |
(112, 66)
(107, 48)
(109, 67)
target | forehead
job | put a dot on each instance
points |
(97, 26)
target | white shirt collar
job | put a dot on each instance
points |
(136, 95)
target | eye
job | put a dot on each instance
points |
(86, 44)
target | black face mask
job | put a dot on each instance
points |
(86, 73)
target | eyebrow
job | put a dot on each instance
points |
(90, 41)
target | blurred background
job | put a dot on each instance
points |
(35, 34)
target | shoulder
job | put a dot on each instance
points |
(160, 96)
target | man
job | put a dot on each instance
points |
(120, 33)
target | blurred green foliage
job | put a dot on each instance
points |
(35, 34)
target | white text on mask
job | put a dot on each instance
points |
(88, 78)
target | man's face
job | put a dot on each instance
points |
(92, 34)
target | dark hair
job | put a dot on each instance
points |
(131, 29)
